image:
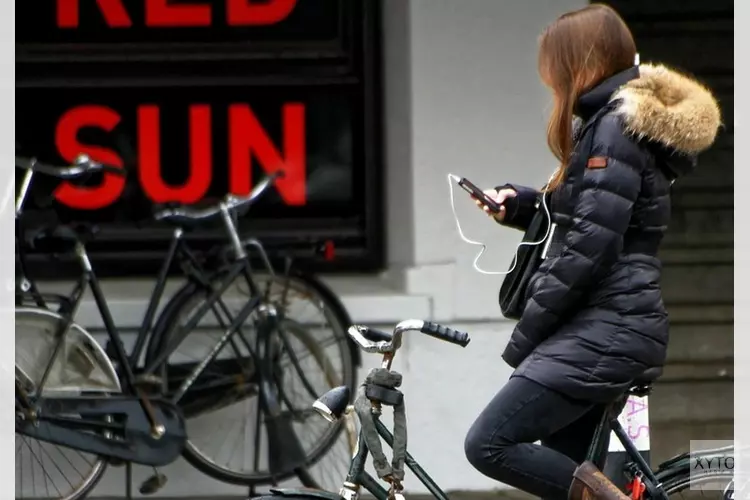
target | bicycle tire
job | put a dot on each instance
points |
(92, 479)
(683, 480)
(192, 292)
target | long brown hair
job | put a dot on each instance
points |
(577, 51)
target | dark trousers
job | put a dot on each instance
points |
(500, 442)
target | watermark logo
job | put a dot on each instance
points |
(713, 466)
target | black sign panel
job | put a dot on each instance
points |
(185, 28)
(158, 87)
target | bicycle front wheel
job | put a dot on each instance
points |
(708, 485)
(310, 354)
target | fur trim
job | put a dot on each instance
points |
(669, 108)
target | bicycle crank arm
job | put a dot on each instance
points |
(137, 444)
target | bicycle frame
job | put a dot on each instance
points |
(27, 286)
(280, 432)
(177, 249)
(192, 269)
(380, 390)
(357, 477)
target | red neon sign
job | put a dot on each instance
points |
(169, 14)
(247, 140)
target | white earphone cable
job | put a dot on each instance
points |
(454, 178)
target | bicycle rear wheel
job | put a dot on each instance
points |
(311, 355)
(44, 469)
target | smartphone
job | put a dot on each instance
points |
(477, 193)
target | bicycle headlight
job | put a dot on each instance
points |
(333, 403)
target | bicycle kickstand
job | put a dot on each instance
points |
(128, 480)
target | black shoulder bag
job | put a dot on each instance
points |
(512, 296)
(513, 290)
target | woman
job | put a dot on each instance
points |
(594, 321)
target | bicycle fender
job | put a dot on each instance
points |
(299, 494)
(85, 366)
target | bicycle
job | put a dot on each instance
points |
(380, 388)
(133, 414)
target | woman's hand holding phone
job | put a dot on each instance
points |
(499, 197)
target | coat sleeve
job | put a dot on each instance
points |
(593, 242)
(524, 209)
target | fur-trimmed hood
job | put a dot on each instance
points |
(669, 108)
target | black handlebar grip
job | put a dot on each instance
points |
(447, 334)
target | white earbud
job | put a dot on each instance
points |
(637, 61)
(454, 178)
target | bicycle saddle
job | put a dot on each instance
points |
(185, 216)
(641, 386)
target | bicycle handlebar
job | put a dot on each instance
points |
(81, 166)
(229, 203)
(376, 341)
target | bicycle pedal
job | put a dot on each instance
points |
(153, 484)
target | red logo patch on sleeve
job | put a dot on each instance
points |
(597, 162)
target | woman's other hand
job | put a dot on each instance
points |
(499, 197)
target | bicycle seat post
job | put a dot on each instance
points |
(239, 250)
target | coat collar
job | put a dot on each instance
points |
(596, 98)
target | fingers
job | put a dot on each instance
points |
(499, 216)
(499, 197)
(492, 193)
(504, 194)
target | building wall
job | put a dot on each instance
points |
(462, 96)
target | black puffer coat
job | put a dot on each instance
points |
(595, 321)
